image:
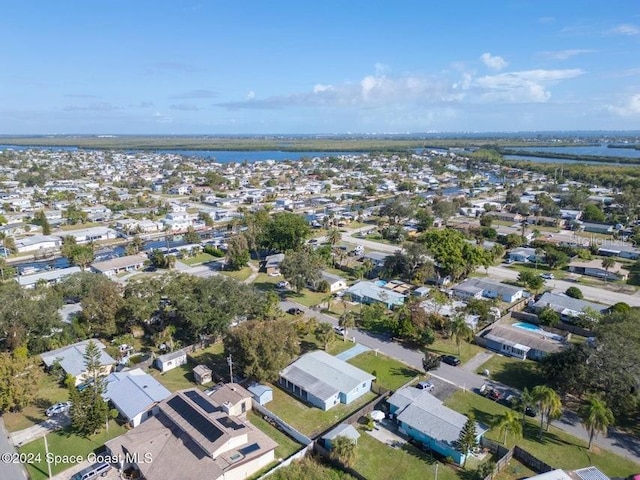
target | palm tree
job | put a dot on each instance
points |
(334, 236)
(549, 404)
(347, 320)
(526, 400)
(607, 263)
(328, 299)
(459, 331)
(596, 417)
(343, 449)
(367, 266)
(509, 424)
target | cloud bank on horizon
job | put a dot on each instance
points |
(160, 67)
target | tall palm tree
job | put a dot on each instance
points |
(607, 263)
(334, 236)
(509, 424)
(526, 400)
(596, 417)
(459, 331)
(367, 266)
(347, 320)
(549, 404)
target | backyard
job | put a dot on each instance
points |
(390, 374)
(557, 448)
(286, 445)
(63, 442)
(513, 372)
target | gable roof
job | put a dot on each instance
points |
(561, 303)
(374, 292)
(324, 375)
(71, 357)
(426, 414)
(134, 391)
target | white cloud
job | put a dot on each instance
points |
(319, 88)
(494, 62)
(626, 29)
(522, 87)
(184, 107)
(251, 95)
(565, 54)
(629, 108)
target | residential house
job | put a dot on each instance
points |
(525, 255)
(233, 398)
(93, 234)
(178, 221)
(623, 251)
(425, 419)
(505, 216)
(568, 308)
(341, 430)
(336, 282)
(272, 264)
(192, 437)
(170, 360)
(520, 340)
(71, 360)
(324, 381)
(48, 277)
(135, 394)
(594, 268)
(114, 266)
(38, 242)
(592, 227)
(480, 287)
(369, 292)
(586, 473)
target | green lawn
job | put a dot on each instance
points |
(390, 373)
(239, 275)
(63, 442)
(377, 461)
(199, 259)
(557, 448)
(286, 445)
(444, 346)
(310, 420)
(266, 282)
(513, 372)
(514, 470)
(49, 392)
(306, 297)
(176, 379)
(542, 268)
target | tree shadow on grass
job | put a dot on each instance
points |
(407, 372)
(518, 375)
(264, 286)
(306, 346)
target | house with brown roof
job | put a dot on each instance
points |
(192, 437)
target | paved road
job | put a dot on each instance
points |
(9, 471)
(449, 378)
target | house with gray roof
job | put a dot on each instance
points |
(568, 308)
(324, 381)
(480, 287)
(369, 293)
(336, 282)
(425, 419)
(49, 277)
(71, 359)
(170, 360)
(272, 264)
(135, 394)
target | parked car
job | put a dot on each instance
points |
(491, 392)
(295, 311)
(58, 408)
(282, 285)
(340, 330)
(428, 386)
(547, 276)
(451, 360)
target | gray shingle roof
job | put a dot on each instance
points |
(560, 303)
(71, 357)
(134, 391)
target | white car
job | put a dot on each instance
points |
(547, 276)
(58, 408)
(282, 285)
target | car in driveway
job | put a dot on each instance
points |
(57, 409)
(450, 360)
(547, 276)
(428, 386)
(295, 311)
(282, 285)
(340, 330)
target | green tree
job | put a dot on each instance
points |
(324, 334)
(509, 424)
(607, 263)
(344, 450)
(300, 268)
(459, 331)
(596, 417)
(39, 218)
(395, 210)
(549, 405)
(100, 307)
(444, 209)
(81, 255)
(548, 316)
(334, 236)
(468, 438)
(74, 215)
(347, 320)
(20, 378)
(191, 236)
(262, 349)
(89, 411)
(574, 292)
(592, 213)
(237, 253)
(285, 231)
(556, 258)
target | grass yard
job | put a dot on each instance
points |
(444, 346)
(310, 420)
(176, 379)
(514, 470)
(557, 448)
(49, 392)
(63, 442)
(286, 445)
(390, 373)
(199, 259)
(266, 282)
(513, 372)
(239, 275)
(306, 297)
(377, 461)
(542, 268)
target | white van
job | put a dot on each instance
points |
(99, 469)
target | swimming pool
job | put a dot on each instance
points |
(380, 283)
(528, 326)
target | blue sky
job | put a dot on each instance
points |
(359, 66)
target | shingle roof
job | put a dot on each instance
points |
(374, 292)
(560, 303)
(324, 375)
(71, 357)
(134, 391)
(343, 430)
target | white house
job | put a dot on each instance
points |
(38, 242)
(336, 282)
(171, 360)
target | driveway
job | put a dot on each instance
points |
(40, 430)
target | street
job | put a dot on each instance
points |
(9, 470)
